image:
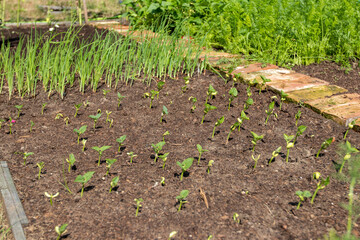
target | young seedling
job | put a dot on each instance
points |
(283, 96)
(80, 131)
(302, 195)
(232, 128)
(160, 85)
(236, 218)
(269, 111)
(26, 155)
(185, 165)
(100, 150)
(11, 122)
(187, 81)
(172, 234)
(322, 183)
(51, 196)
(86, 103)
(84, 144)
(105, 92)
(248, 103)
(248, 92)
(119, 98)
(193, 101)
(164, 158)
(181, 198)
(210, 164)
(233, 94)
(58, 116)
(83, 179)
(255, 159)
(66, 120)
(289, 145)
(31, 125)
(300, 130)
(325, 145)
(256, 138)
(108, 116)
(43, 108)
(111, 122)
(18, 107)
(77, 107)
(60, 230)
(264, 81)
(157, 148)
(210, 93)
(40, 165)
(120, 140)
(114, 183)
(208, 107)
(1, 122)
(200, 150)
(153, 94)
(243, 117)
(138, 205)
(348, 151)
(350, 126)
(165, 134)
(297, 117)
(95, 118)
(218, 122)
(164, 112)
(71, 160)
(162, 182)
(109, 163)
(275, 154)
(132, 155)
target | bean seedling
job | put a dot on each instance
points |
(132, 155)
(242, 118)
(236, 218)
(172, 234)
(348, 151)
(181, 198)
(80, 131)
(83, 143)
(31, 125)
(114, 183)
(302, 195)
(218, 122)
(350, 126)
(300, 130)
(233, 94)
(297, 117)
(248, 103)
(11, 122)
(43, 108)
(208, 107)
(83, 179)
(289, 145)
(248, 92)
(60, 230)
(119, 98)
(200, 150)
(71, 160)
(162, 182)
(108, 116)
(95, 118)
(120, 140)
(18, 107)
(152, 96)
(157, 148)
(77, 107)
(275, 154)
(269, 111)
(51, 196)
(187, 81)
(283, 96)
(165, 134)
(256, 138)
(160, 85)
(164, 158)
(185, 165)
(109, 162)
(232, 128)
(210, 164)
(100, 150)
(40, 165)
(322, 183)
(164, 112)
(105, 92)
(193, 100)
(325, 145)
(138, 205)
(210, 93)
(255, 159)
(26, 155)
(264, 81)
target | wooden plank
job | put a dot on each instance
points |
(3, 184)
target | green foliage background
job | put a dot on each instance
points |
(285, 32)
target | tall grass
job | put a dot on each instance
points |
(107, 58)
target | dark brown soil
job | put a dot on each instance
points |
(264, 198)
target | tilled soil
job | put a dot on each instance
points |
(263, 197)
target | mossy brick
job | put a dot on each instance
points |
(254, 67)
(343, 114)
(313, 93)
(250, 78)
(292, 82)
(323, 104)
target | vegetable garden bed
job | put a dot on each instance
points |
(263, 198)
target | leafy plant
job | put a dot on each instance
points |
(95, 118)
(120, 140)
(289, 145)
(71, 160)
(109, 162)
(18, 107)
(80, 131)
(165, 134)
(248, 103)
(185, 165)
(100, 150)
(31, 125)
(164, 112)
(60, 230)
(255, 159)
(210, 164)
(210, 93)
(325, 145)
(114, 183)
(164, 158)
(232, 128)
(256, 138)
(26, 155)
(181, 198)
(200, 150)
(263, 83)
(302, 195)
(138, 205)
(348, 151)
(157, 148)
(269, 111)
(77, 108)
(350, 126)
(160, 85)
(119, 97)
(51, 196)
(297, 117)
(43, 108)
(40, 165)
(132, 155)
(233, 94)
(321, 184)
(275, 154)
(193, 100)
(207, 108)
(152, 96)
(83, 179)
(84, 144)
(300, 130)
(218, 122)
(283, 96)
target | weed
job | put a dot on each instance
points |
(31, 125)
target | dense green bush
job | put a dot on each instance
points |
(277, 31)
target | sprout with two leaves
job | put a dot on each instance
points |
(109, 162)
(119, 98)
(181, 198)
(157, 148)
(26, 155)
(269, 111)
(210, 93)
(264, 81)
(256, 138)
(100, 150)
(248, 103)
(275, 154)
(218, 122)
(80, 131)
(350, 126)
(95, 118)
(51, 196)
(185, 165)
(151, 95)
(348, 151)
(302, 195)
(71, 160)
(164, 158)
(325, 145)
(138, 205)
(40, 165)
(120, 140)
(77, 108)
(210, 164)
(289, 144)
(248, 92)
(233, 94)
(60, 230)
(256, 159)
(321, 184)
(131, 155)
(232, 128)
(105, 92)
(297, 117)
(200, 150)
(18, 107)
(193, 101)
(163, 113)
(283, 96)
(160, 85)
(207, 108)
(83, 179)
(43, 108)
(114, 183)
(300, 130)
(187, 81)
(108, 116)
(236, 218)
(165, 134)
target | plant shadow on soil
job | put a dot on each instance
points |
(264, 210)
